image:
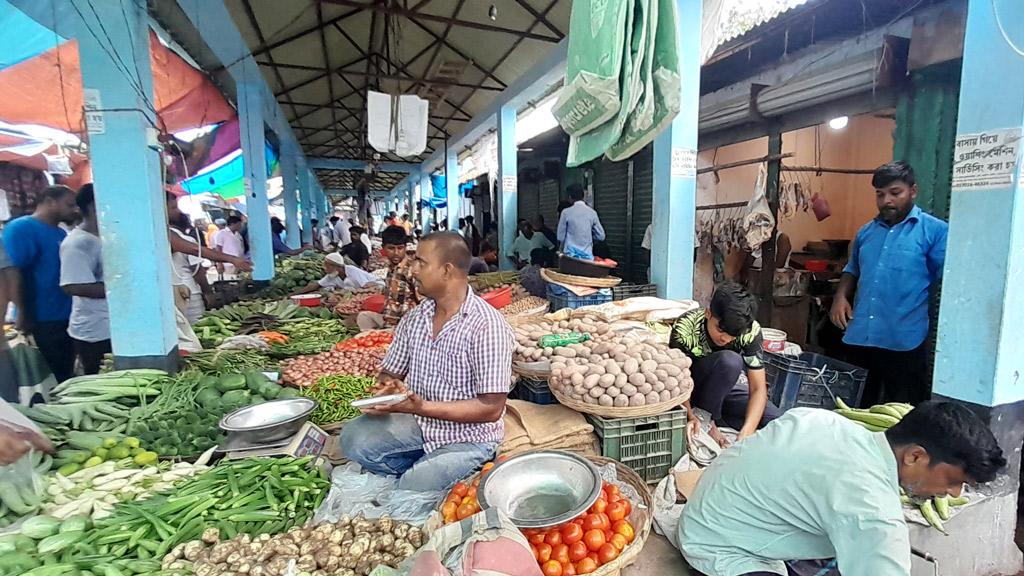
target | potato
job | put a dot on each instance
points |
(665, 395)
(658, 386)
(605, 400)
(650, 378)
(674, 353)
(607, 380)
(591, 380)
(537, 354)
(645, 388)
(601, 348)
(628, 389)
(565, 352)
(613, 391)
(556, 372)
(537, 335)
(630, 366)
(671, 383)
(648, 366)
(653, 398)
(621, 380)
(620, 358)
(596, 392)
(671, 369)
(612, 367)
(661, 358)
(602, 328)
(576, 379)
(597, 365)
(548, 352)
(622, 348)
(661, 374)
(645, 355)
(589, 399)
(684, 362)
(637, 400)
(620, 401)
(637, 379)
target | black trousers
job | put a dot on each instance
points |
(91, 354)
(893, 376)
(57, 347)
(716, 388)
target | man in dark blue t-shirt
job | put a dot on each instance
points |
(33, 244)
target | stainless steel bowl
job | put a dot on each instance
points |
(541, 489)
(269, 421)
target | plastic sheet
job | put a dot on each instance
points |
(355, 492)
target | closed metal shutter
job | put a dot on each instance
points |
(611, 189)
(643, 196)
(529, 201)
(549, 202)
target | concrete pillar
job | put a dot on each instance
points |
(451, 172)
(675, 170)
(978, 358)
(508, 185)
(306, 203)
(130, 200)
(289, 183)
(250, 115)
(410, 201)
(426, 192)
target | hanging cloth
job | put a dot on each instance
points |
(397, 123)
(759, 223)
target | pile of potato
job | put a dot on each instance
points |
(608, 370)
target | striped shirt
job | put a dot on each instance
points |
(471, 355)
(400, 294)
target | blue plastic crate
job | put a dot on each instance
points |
(561, 298)
(806, 380)
(536, 391)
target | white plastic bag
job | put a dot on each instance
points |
(356, 492)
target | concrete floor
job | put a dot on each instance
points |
(658, 558)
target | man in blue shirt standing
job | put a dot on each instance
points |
(578, 227)
(33, 244)
(894, 261)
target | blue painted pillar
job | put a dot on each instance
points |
(289, 185)
(452, 186)
(978, 357)
(306, 204)
(508, 185)
(410, 200)
(250, 116)
(130, 200)
(675, 174)
(426, 192)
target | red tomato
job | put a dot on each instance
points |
(629, 506)
(599, 506)
(536, 539)
(625, 528)
(572, 533)
(619, 541)
(594, 539)
(530, 531)
(612, 489)
(578, 551)
(553, 537)
(616, 511)
(568, 569)
(579, 521)
(543, 553)
(465, 511)
(560, 553)
(460, 489)
(551, 568)
(592, 522)
(608, 535)
(614, 498)
(586, 566)
(593, 556)
(607, 553)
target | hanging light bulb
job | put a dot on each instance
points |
(493, 12)
(838, 123)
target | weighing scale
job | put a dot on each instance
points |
(308, 441)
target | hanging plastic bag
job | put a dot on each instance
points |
(758, 224)
(819, 205)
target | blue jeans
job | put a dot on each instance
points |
(392, 445)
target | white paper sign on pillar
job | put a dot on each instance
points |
(509, 183)
(684, 163)
(986, 160)
(94, 121)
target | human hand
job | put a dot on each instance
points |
(744, 433)
(413, 404)
(242, 265)
(841, 312)
(387, 384)
(16, 441)
(717, 436)
(693, 427)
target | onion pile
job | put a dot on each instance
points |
(306, 370)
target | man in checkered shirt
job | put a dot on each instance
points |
(452, 356)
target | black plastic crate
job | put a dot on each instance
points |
(530, 390)
(624, 291)
(806, 380)
(650, 445)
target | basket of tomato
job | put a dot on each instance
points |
(602, 541)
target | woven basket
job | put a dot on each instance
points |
(489, 279)
(552, 275)
(612, 411)
(532, 374)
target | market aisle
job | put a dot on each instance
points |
(658, 557)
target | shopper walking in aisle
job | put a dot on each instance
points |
(33, 244)
(723, 341)
(400, 293)
(814, 485)
(894, 262)
(578, 227)
(452, 358)
(229, 241)
(81, 277)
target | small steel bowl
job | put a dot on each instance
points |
(541, 489)
(268, 421)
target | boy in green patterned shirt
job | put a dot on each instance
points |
(723, 340)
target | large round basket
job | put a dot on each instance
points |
(641, 517)
(615, 412)
(552, 275)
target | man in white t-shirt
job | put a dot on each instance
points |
(341, 234)
(526, 242)
(229, 241)
(341, 276)
(81, 277)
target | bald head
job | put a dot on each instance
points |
(448, 248)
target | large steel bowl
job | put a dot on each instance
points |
(268, 421)
(541, 489)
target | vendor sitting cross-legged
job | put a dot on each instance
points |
(340, 276)
(723, 340)
(452, 355)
